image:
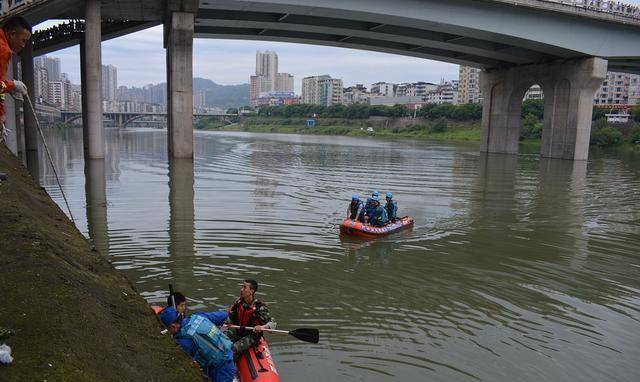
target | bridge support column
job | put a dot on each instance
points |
(179, 44)
(568, 86)
(567, 120)
(91, 68)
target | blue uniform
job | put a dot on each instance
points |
(392, 210)
(378, 216)
(222, 373)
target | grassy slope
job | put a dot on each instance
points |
(76, 317)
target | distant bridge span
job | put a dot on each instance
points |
(122, 119)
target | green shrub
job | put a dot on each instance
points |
(603, 134)
(531, 127)
(439, 126)
(533, 106)
(635, 136)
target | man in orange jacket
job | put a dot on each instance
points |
(14, 35)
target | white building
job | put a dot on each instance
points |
(534, 92)
(41, 84)
(355, 95)
(614, 89)
(60, 94)
(383, 88)
(109, 82)
(634, 90)
(322, 90)
(469, 85)
(446, 92)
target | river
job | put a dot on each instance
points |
(518, 268)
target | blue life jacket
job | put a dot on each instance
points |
(213, 345)
(378, 216)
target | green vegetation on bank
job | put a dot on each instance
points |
(445, 122)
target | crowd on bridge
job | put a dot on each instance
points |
(59, 31)
(606, 6)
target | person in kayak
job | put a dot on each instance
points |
(354, 207)
(378, 215)
(248, 311)
(201, 338)
(391, 207)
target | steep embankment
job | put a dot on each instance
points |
(76, 317)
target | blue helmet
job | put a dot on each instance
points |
(168, 316)
(389, 195)
(355, 198)
(375, 194)
(375, 199)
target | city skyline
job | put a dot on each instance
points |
(236, 58)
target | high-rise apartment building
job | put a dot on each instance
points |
(50, 64)
(199, 98)
(60, 94)
(469, 85)
(634, 90)
(109, 82)
(267, 66)
(267, 79)
(284, 82)
(322, 90)
(618, 89)
(41, 84)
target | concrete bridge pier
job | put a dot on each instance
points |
(178, 30)
(91, 77)
(568, 87)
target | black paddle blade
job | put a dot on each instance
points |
(306, 334)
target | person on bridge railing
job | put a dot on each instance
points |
(13, 37)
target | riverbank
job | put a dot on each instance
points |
(433, 130)
(75, 317)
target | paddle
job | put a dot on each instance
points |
(303, 334)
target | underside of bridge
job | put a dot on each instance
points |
(506, 38)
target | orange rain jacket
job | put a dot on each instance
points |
(6, 85)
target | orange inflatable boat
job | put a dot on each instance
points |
(255, 364)
(353, 227)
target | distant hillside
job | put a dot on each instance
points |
(223, 96)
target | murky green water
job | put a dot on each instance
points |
(517, 268)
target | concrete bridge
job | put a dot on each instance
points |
(564, 46)
(122, 119)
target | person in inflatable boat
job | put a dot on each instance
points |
(200, 337)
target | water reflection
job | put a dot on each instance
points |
(516, 266)
(96, 204)
(181, 221)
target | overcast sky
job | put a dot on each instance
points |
(140, 59)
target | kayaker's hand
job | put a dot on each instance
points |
(258, 328)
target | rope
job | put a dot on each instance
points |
(50, 159)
